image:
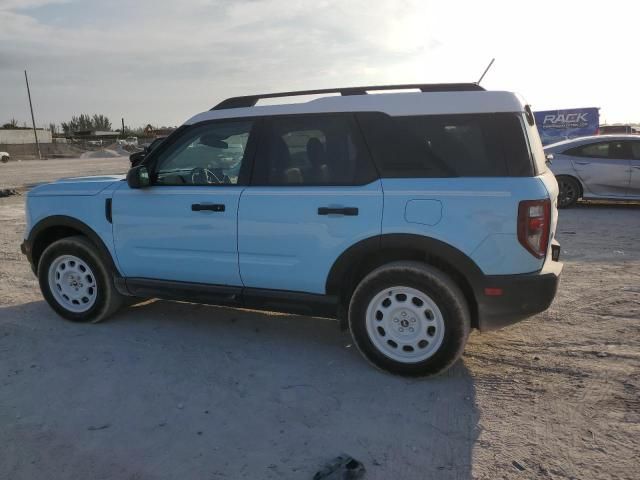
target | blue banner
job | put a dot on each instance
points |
(557, 125)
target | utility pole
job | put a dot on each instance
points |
(122, 127)
(33, 120)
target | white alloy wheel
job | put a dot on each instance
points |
(404, 324)
(72, 283)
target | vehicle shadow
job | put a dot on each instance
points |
(632, 204)
(176, 390)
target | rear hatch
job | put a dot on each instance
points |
(545, 175)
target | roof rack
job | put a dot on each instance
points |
(251, 100)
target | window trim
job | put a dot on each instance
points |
(525, 131)
(246, 169)
(261, 143)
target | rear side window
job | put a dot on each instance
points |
(312, 150)
(469, 145)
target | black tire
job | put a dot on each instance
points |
(428, 280)
(569, 191)
(107, 299)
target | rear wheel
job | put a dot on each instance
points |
(76, 282)
(409, 318)
(569, 192)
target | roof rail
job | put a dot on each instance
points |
(251, 100)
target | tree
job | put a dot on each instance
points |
(13, 123)
(86, 122)
(101, 122)
(53, 128)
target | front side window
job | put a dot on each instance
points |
(593, 150)
(312, 150)
(613, 150)
(209, 154)
(635, 150)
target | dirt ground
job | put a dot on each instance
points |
(174, 390)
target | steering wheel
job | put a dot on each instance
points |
(200, 175)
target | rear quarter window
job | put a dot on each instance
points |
(469, 145)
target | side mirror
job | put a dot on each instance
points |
(549, 158)
(136, 158)
(138, 177)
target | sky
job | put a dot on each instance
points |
(160, 62)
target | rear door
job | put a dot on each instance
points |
(634, 186)
(314, 193)
(604, 167)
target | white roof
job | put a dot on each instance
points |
(394, 104)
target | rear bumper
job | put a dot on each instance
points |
(521, 295)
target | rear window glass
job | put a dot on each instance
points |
(470, 145)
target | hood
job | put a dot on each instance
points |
(76, 186)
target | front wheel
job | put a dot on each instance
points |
(76, 282)
(409, 318)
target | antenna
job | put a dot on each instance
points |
(486, 70)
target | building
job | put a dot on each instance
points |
(618, 130)
(21, 136)
(95, 135)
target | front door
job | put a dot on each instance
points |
(314, 193)
(184, 226)
(603, 167)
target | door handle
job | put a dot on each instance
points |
(211, 207)
(348, 211)
(582, 163)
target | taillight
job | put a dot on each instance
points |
(534, 225)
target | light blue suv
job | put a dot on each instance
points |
(411, 217)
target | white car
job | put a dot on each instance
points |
(131, 141)
(4, 157)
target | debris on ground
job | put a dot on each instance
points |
(99, 427)
(8, 192)
(518, 466)
(343, 467)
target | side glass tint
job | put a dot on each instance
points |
(593, 150)
(465, 145)
(312, 150)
